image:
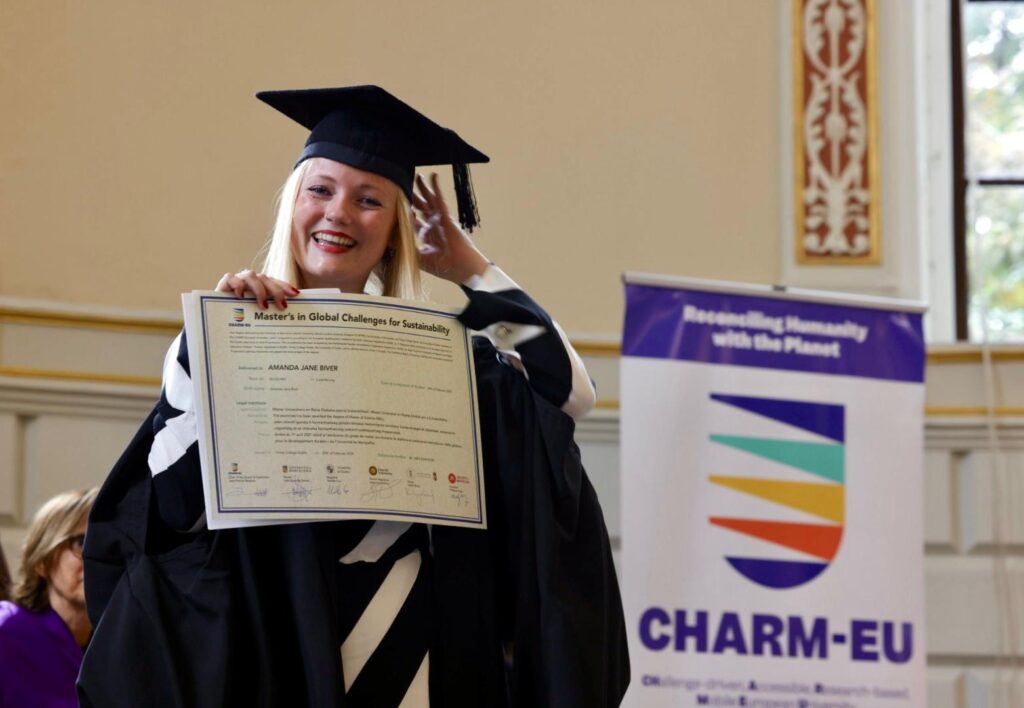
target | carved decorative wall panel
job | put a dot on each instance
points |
(836, 134)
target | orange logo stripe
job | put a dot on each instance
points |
(814, 539)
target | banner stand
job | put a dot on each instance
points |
(772, 523)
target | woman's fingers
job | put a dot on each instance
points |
(421, 187)
(255, 285)
(222, 284)
(445, 250)
(432, 197)
(287, 287)
(279, 290)
(261, 286)
(429, 200)
(236, 283)
(441, 207)
(420, 203)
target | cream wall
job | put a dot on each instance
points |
(135, 164)
(624, 136)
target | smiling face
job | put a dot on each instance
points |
(343, 222)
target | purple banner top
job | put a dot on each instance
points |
(773, 333)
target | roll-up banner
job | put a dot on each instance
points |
(772, 496)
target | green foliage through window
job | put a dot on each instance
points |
(994, 113)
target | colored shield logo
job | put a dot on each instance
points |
(804, 513)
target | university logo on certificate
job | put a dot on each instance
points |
(339, 407)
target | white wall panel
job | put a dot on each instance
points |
(944, 688)
(64, 453)
(939, 527)
(1003, 686)
(991, 489)
(80, 349)
(973, 605)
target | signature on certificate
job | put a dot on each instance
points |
(460, 498)
(337, 489)
(381, 491)
(300, 492)
(235, 493)
(420, 496)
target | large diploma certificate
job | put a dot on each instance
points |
(338, 407)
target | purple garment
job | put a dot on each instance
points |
(39, 659)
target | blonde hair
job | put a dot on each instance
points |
(52, 525)
(398, 273)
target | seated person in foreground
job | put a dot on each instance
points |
(43, 631)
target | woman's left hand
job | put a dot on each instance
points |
(445, 249)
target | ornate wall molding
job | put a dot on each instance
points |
(835, 123)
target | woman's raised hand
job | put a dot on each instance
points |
(263, 287)
(445, 249)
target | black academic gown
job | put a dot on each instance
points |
(246, 616)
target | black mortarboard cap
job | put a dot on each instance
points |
(367, 128)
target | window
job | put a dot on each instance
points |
(988, 164)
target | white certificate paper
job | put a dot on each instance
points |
(339, 407)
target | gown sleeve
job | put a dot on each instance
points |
(559, 610)
(174, 457)
(529, 340)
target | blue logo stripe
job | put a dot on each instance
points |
(776, 573)
(825, 419)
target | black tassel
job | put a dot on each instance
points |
(469, 217)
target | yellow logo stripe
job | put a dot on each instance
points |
(824, 500)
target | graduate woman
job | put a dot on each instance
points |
(363, 613)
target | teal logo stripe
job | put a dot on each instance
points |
(825, 460)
